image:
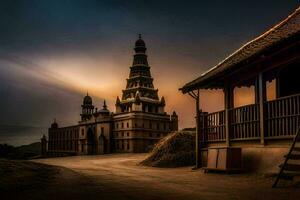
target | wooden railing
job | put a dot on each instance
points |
(244, 122)
(282, 116)
(213, 126)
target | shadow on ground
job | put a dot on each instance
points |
(119, 176)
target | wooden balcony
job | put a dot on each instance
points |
(281, 119)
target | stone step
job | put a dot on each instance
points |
(287, 175)
(291, 167)
(293, 156)
(296, 149)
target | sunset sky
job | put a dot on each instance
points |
(53, 52)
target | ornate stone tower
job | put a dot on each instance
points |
(140, 119)
(87, 108)
(140, 94)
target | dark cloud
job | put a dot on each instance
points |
(59, 25)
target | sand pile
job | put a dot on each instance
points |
(175, 150)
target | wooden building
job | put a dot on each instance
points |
(267, 124)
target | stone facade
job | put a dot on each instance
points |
(138, 123)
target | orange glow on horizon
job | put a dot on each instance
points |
(104, 78)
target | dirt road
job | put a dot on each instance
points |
(119, 176)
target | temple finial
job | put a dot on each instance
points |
(140, 36)
(104, 104)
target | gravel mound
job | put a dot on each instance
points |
(175, 150)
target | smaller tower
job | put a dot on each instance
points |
(104, 105)
(174, 121)
(104, 111)
(44, 146)
(118, 105)
(54, 125)
(161, 108)
(87, 108)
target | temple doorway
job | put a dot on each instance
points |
(91, 142)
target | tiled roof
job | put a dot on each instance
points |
(285, 29)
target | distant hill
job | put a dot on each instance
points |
(21, 152)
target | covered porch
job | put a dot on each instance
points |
(274, 113)
(268, 68)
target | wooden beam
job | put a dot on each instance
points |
(262, 99)
(192, 94)
(198, 146)
(228, 98)
(278, 85)
(256, 90)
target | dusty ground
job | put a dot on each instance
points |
(118, 177)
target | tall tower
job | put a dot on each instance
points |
(140, 119)
(140, 94)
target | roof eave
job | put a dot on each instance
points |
(201, 82)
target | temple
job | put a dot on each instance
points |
(140, 116)
(268, 66)
(137, 124)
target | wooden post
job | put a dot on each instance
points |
(198, 147)
(198, 128)
(262, 99)
(228, 97)
(278, 85)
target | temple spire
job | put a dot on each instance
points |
(104, 105)
(140, 78)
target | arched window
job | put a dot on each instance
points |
(150, 109)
